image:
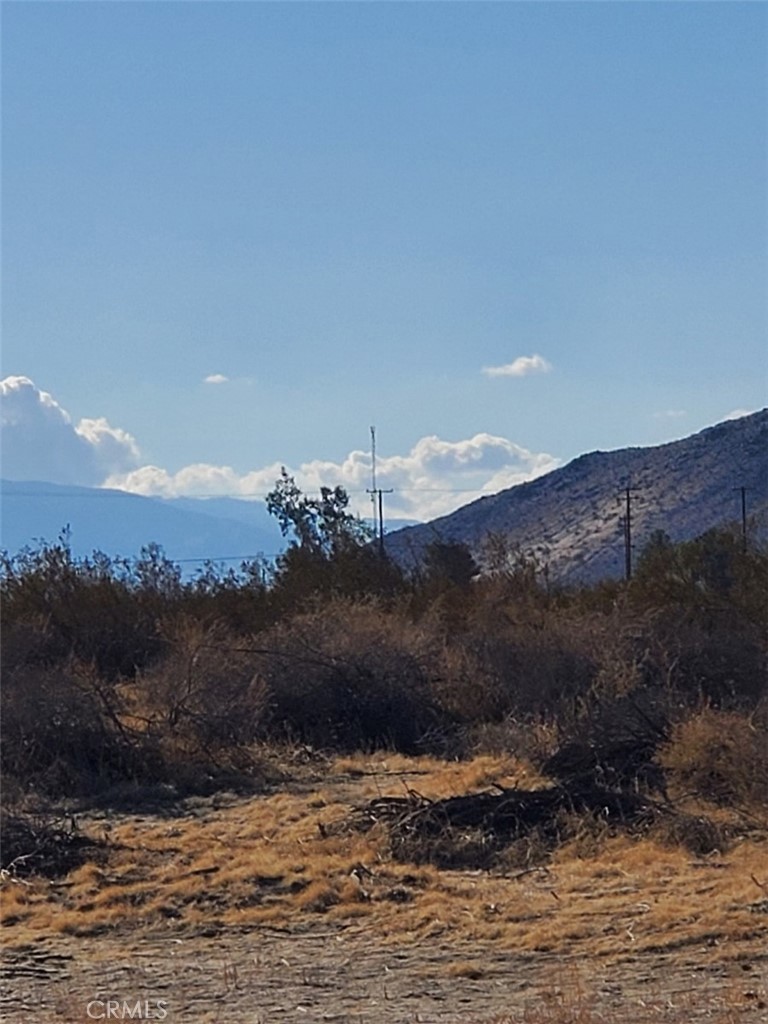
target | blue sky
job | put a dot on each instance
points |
(355, 213)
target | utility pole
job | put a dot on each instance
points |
(743, 492)
(629, 495)
(372, 489)
(377, 497)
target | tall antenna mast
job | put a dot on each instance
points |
(377, 498)
(372, 491)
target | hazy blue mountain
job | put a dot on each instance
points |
(250, 513)
(572, 517)
(254, 513)
(119, 523)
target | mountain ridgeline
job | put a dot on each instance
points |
(573, 518)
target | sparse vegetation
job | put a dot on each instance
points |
(399, 731)
(122, 673)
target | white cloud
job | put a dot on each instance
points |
(434, 478)
(197, 480)
(40, 441)
(216, 378)
(115, 446)
(519, 367)
(670, 414)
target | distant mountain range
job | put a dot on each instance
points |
(190, 530)
(120, 524)
(572, 517)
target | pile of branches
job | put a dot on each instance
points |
(472, 830)
(39, 845)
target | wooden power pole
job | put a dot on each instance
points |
(628, 494)
(743, 492)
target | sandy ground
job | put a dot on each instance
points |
(265, 975)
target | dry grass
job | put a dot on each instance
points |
(278, 859)
(466, 969)
(277, 864)
(435, 778)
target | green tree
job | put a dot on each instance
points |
(449, 562)
(321, 525)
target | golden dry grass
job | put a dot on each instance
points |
(276, 860)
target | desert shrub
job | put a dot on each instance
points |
(61, 733)
(186, 724)
(304, 575)
(721, 756)
(517, 574)
(351, 676)
(724, 664)
(97, 609)
(614, 743)
(532, 670)
(447, 564)
(206, 692)
(121, 670)
(28, 642)
(461, 683)
(706, 599)
(531, 739)
(240, 597)
(713, 572)
(502, 663)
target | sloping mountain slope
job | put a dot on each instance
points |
(573, 517)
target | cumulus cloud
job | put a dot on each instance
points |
(115, 446)
(434, 478)
(216, 378)
(200, 479)
(519, 367)
(437, 476)
(40, 441)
